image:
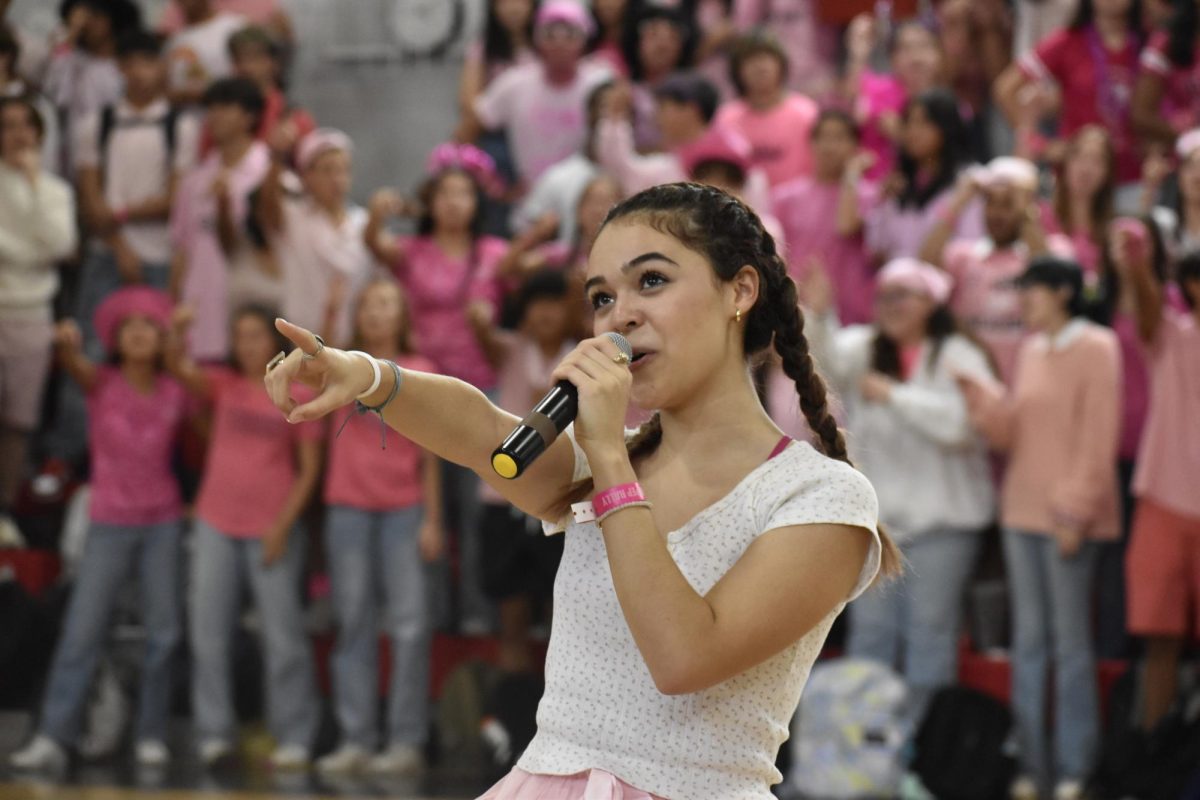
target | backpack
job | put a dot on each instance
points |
(108, 122)
(961, 746)
(850, 732)
(1154, 765)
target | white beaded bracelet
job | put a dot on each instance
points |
(378, 373)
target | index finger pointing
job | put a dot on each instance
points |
(303, 338)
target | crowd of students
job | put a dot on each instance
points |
(990, 210)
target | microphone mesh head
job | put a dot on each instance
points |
(621, 342)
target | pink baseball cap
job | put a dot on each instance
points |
(1010, 170)
(131, 301)
(320, 141)
(917, 276)
(565, 12)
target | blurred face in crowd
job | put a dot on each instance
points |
(1189, 177)
(454, 202)
(600, 196)
(139, 340)
(1044, 308)
(97, 30)
(761, 74)
(676, 121)
(1086, 167)
(145, 75)
(920, 138)
(254, 344)
(18, 132)
(380, 315)
(257, 64)
(513, 15)
(610, 13)
(560, 46)
(916, 58)
(660, 46)
(902, 314)
(327, 178)
(547, 320)
(833, 145)
(1006, 209)
(1111, 8)
(227, 121)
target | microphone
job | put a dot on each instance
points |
(541, 427)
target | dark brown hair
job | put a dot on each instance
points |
(941, 325)
(756, 43)
(730, 236)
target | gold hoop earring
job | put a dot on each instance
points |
(737, 317)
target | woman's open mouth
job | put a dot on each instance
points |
(640, 358)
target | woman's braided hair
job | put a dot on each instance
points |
(730, 236)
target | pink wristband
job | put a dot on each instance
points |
(616, 496)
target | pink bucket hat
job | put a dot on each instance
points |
(131, 301)
(565, 12)
(917, 276)
(322, 140)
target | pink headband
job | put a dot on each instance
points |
(321, 141)
(917, 276)
(565, 12)
(1188, 143)
(124, 303)
(470, 159)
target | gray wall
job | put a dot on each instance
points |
(353, 73)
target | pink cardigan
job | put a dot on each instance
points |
(1060, 428)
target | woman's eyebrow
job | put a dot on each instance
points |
(633, 263)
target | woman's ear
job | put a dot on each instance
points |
(746, 286)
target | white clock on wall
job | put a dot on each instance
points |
(427, 28)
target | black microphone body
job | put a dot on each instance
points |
(541, 427)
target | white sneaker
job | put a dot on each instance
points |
(1023, 788)
(213, 750)
(399, 759)
(346, 759)
(1068, 790)
(152, 753)
(290, 757)
(10, 534)
(43, 754)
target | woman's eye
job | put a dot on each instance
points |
(599, 299)
(652, 279)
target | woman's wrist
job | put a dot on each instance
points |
(370, 393)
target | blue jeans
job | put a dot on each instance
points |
(372, 554)
(1051, 600)
(221, 566)
(110, 554)
(913, 624)
(463, 510)
(67, 438)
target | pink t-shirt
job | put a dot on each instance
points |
(1169, 460)
(440, 289)
(895, 232)
(1087, 252)
(986, 298)
(778, 138)
(879, 96)
(1096, 85)
(1181, 101)
(194, 234)
(545, 122)
(807, 210)
(132, 437)
(476, 54)
(251, 457)
(363, 474)
(524, 380)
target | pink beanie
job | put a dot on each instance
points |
(321, 141)
(566, 12)
(124, 303)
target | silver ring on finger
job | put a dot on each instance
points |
(317, 352)
(276, 361)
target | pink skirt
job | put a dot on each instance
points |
(595, 784)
